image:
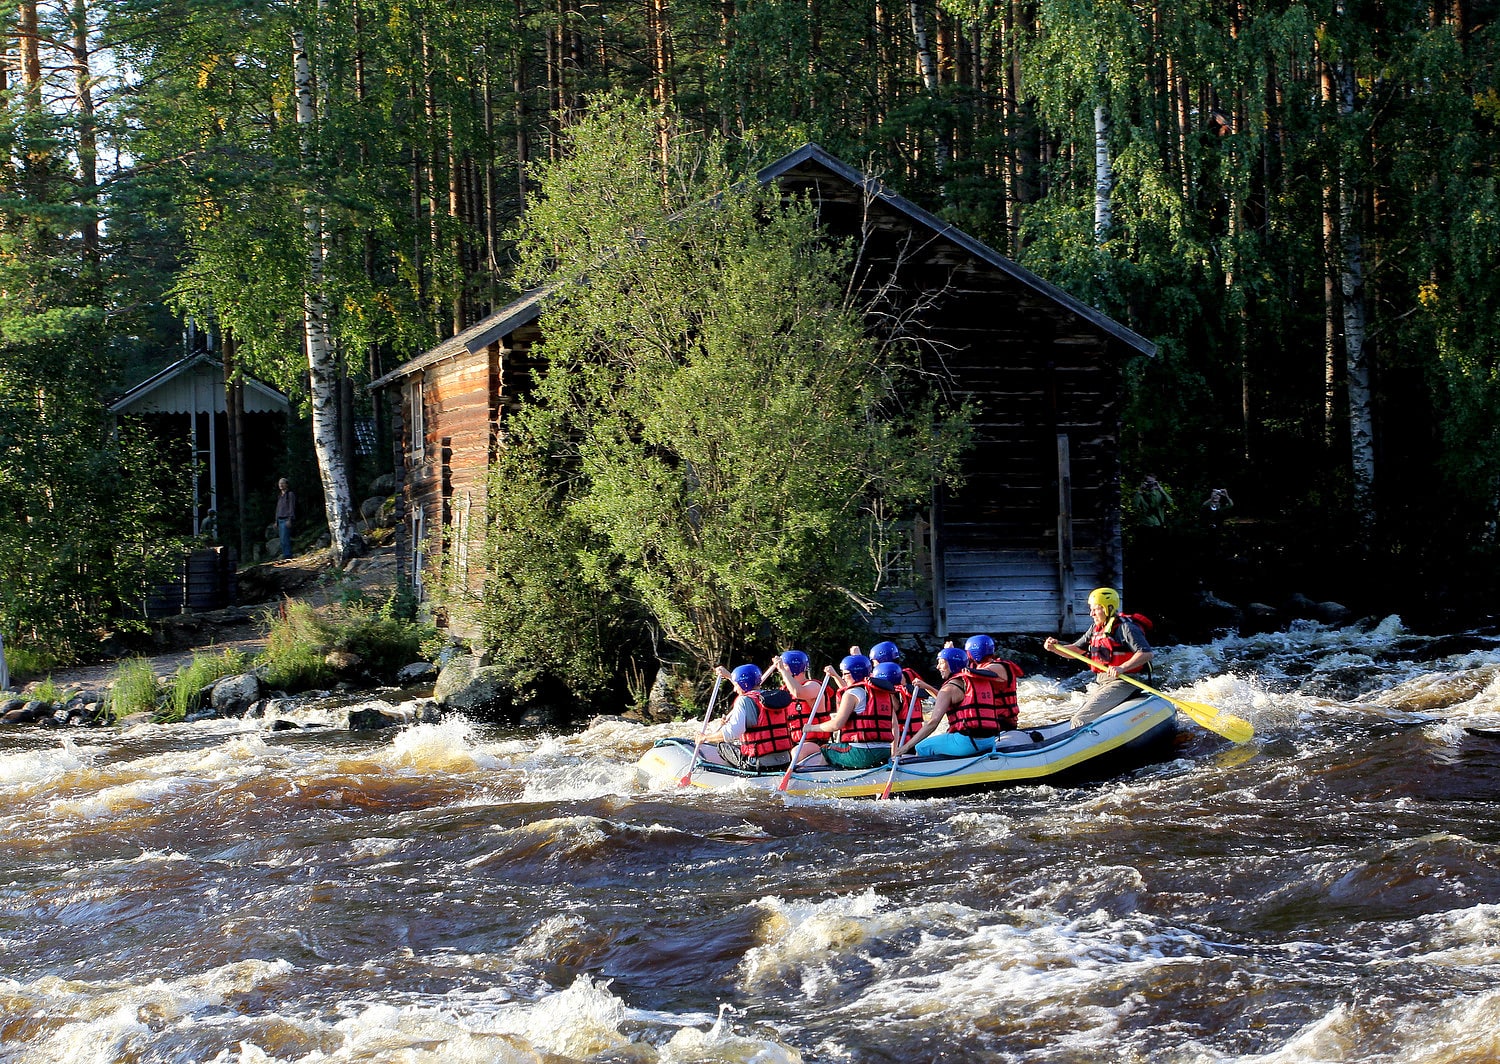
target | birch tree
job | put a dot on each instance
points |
(324, 376)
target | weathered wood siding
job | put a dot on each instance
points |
(446, 479)
(446, 476)
(1033, 370)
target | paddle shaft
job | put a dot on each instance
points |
(702, 731)
(1211, 717)
(786, 777)
(916, 693)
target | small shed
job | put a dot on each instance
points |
(188, 400)
(1036, 526)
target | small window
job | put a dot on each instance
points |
(417, 437)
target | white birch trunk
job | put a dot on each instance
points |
(927, 67)
(1356, 359)
(1104, 176)
(323, 368)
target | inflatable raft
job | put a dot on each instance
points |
(1131, 735)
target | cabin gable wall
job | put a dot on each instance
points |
(1043, 384)
(444, 454)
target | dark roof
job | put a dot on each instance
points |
(813, 153)
(476, 337)
(528, 307)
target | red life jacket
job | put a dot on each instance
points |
(872, 724)
(1105, 648)
(989, 704)
(769, 734)
(800, 714)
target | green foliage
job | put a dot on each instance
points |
(300, 637)
(383, 641)
(186, 692)
(296, 642)
(133, 688)
(26, 662)
(48, 691)
(713, 430)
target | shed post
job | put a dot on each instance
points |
(1066, 620)
(939, 569)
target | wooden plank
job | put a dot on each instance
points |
(1065, 530)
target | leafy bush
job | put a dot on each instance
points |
(301, 636)
(133, 688)
(382, 640)
(296, 643)
(192, 678)
(26, 661)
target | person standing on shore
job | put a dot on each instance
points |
(1153, 503)
(286, 513)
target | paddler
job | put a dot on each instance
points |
(753, 735)
(793, 665)
(1117, 643)
(866, 716)
(977, 698)
(889, 651)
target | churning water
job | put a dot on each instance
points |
(221, 892)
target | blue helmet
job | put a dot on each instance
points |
(795, 660)
(957, 660)
(886, 651)
(980, 647)
(746, 677)
(887, 675)
(857, 666)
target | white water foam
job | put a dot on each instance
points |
(81, 1022)
(1465, 1030)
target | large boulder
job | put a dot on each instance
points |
(416, 672)
(343, 662)
(232, 695)
(376, 716)
(466, 685)
(1334, 614)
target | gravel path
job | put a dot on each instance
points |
(374, 574)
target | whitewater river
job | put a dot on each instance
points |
(222, 892)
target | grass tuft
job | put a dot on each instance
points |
(133, 688)
(186, 694)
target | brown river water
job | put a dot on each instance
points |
(452, 892)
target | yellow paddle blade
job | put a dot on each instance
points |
(1235, 729)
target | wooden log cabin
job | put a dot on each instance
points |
(1016, 550)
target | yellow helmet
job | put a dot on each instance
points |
(1107, 597)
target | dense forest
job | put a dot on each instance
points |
(1295, 201)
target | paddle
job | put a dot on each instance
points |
(1235, 729)
(786, 777)
(916, 693)
(702, 731)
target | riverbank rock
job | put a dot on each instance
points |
(27, 713)
(416, 672)
(660, 705)
(343, 662)
(374, 718)
(1333, 613)
(233, 695)
(466, 685)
